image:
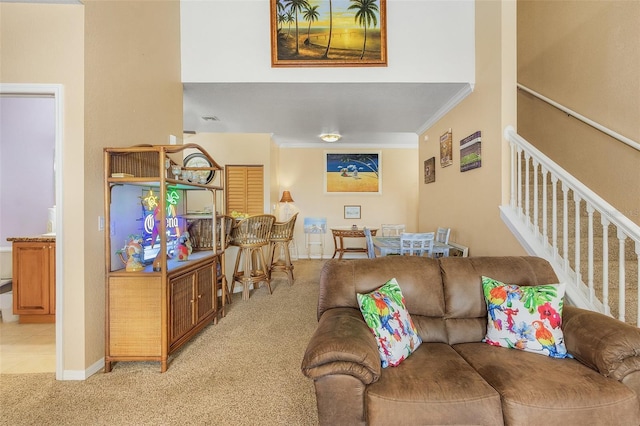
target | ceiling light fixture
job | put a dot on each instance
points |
(330, 137)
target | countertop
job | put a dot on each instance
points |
(45, 238)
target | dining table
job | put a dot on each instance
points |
(391, 245)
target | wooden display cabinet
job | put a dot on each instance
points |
(34, 279)
(154, 308)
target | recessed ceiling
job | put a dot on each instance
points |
(365, 114)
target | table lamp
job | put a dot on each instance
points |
(286, 198)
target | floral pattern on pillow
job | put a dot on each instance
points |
(528, 318)
(385, 313)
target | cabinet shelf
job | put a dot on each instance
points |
(150, 314)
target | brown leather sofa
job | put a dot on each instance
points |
(453, 377)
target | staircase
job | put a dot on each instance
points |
(592, 246)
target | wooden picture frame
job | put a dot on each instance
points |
(471, 152)
(328, 34)
(353, 172)
(446, 149)
(430, 170)
(352, 212)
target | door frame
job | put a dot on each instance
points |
(57, 91)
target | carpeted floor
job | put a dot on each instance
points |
(243, 371)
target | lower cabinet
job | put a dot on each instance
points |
(34, 280)
(150, 315)
(192, 301)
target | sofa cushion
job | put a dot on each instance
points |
(539, 389)
(434, 386)
(525, 317)
(385, 313)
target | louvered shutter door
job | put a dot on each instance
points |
(244, 189)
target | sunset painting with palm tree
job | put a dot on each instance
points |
(328, 33)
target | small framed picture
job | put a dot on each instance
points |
(352, 212)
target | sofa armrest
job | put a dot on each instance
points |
(342, 344)
(605, 344)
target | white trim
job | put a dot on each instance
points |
(465, 91)
(57, 91)
(341, 145)
(83, 374)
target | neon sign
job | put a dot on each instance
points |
(151, 215)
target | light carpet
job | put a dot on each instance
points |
(245, 370)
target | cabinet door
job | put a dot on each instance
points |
(205, 284)
(181, 317)
(32, 278)
(245, 190)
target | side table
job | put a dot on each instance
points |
(339, 234)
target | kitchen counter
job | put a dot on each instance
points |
(45, 238)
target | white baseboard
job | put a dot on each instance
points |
(83, 374)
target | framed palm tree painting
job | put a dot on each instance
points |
(356, 173)
(328, 33)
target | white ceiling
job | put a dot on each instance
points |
(365, 114)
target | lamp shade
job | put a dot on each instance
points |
(286, 197)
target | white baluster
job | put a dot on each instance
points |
(519, 182)
(536, 228)
(545, 214)
(576, 200)
(514, 179)
(590, 211)
(554, 215)
(526, 189)
(622, 285)
(565, 226)
(605, 264)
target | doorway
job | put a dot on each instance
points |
(54, 92)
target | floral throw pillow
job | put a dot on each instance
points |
(384, 312)
(528, 318)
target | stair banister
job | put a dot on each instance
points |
(517, 214)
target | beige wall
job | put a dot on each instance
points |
(585, 56)
(133, 96)
(300, 170)
(119, 63)
(468, 202)
(44, 44)
(236, 149)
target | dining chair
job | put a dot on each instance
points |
(370, 249)
(392, 230)
(441, 245)
(417, 243)
(250, 235)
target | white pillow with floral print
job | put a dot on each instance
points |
(528, 318)
(384, 311)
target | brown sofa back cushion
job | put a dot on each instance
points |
(466, 310)
(444, 296)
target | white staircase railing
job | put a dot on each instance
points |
(548, 225)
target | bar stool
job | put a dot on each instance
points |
(250, 235)
(281, 236)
